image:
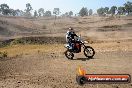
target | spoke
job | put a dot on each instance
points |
(69, 54)
(89, 51)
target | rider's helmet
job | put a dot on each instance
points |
(71, 29)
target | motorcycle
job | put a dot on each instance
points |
(87, 50)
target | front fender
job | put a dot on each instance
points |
(66, 45)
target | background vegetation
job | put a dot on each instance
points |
(126, 9)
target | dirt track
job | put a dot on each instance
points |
(44, 65)
(53, 70)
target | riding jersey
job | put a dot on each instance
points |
(70, 36)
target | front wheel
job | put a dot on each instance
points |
(89, 52)
(69, 54)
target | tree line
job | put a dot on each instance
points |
(6, 10)
(126, 9)
(114, 10)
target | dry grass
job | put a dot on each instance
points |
(16, 50)
(46, 66)
(88, 26)
(113, 46)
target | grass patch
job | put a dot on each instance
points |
(44, 27)
(3, 54)
(17, 41)
(128, 25)
(112, 26)
(16, 50)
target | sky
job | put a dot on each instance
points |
(64, 5)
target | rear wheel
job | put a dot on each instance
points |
(69, 54)
(89, 52)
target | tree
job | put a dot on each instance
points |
(66, 14)
(106, 10)
(128, 7)
(56, 11)
(113, 10)
(70, 13)
(121, 10)
(28, 9)
(90, 12)
(83, 12)
(21, 13)
(13, 12)
(0, 11)
(4, 9)
(41, 12)
(100, 11)
(48, 13)
(35, 13)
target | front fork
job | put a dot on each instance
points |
(83, 46)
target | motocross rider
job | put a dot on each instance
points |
(70, 37)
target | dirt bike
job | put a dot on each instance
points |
(87, 50)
